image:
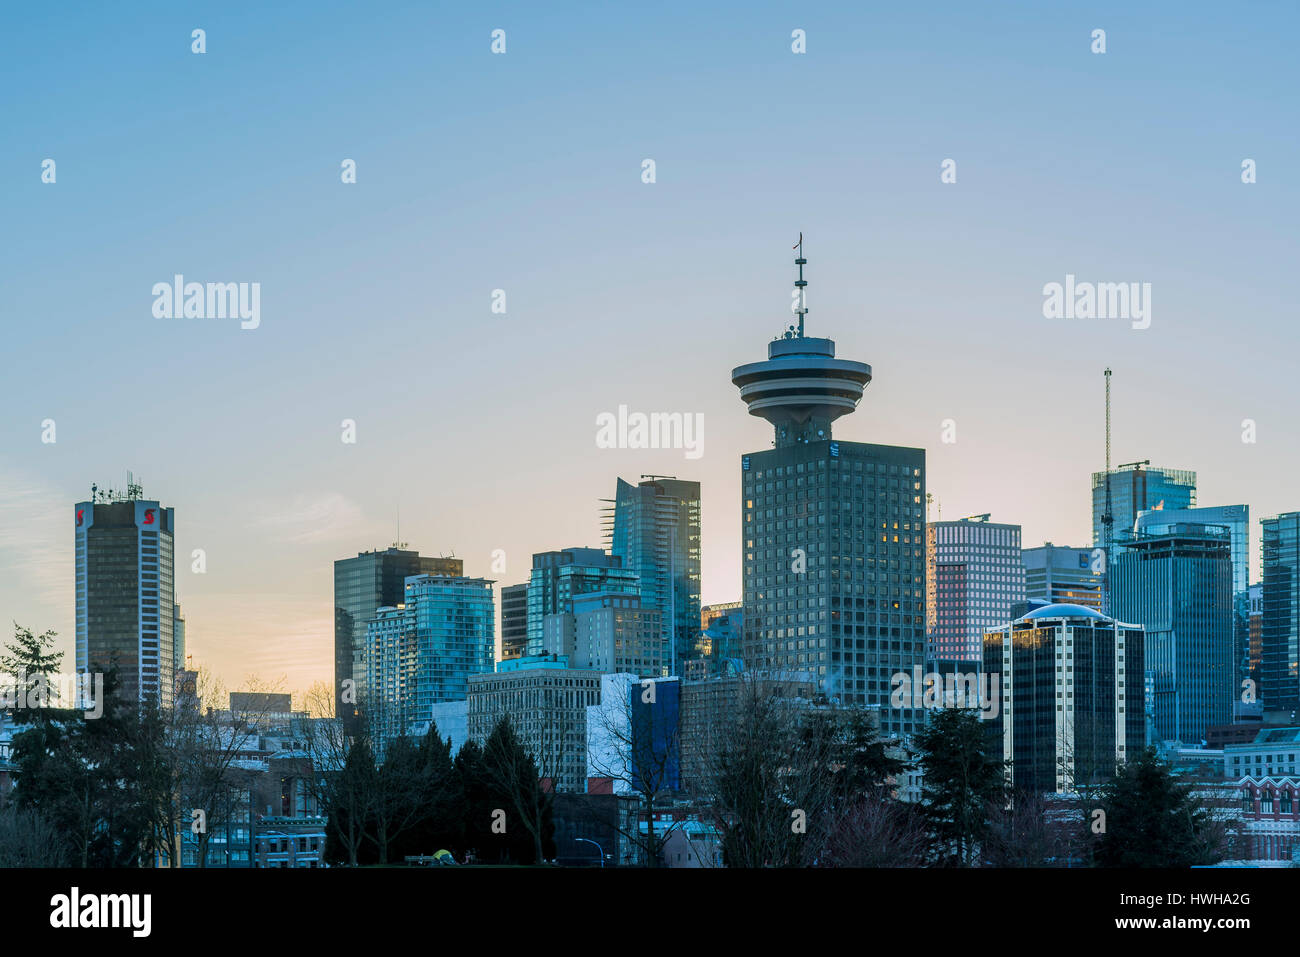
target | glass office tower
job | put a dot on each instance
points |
(1070, 681)
(558, 576)
(422, 652)
(657, 535)
(1176, 581)
(1236, 520)
(362, 586)
(833, 533)
(125, 591)
(1280, 614)
(1133, 490)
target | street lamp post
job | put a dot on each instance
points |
(599, 849)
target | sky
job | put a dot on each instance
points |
(522, 171)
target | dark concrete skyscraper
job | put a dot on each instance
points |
(514, 621)
(1068, 694)
(125, 590)
(657, 535)
(833, 532)
(362, 586)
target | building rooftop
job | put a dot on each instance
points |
(1065, 611)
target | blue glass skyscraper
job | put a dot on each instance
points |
(656, 533)
(1280, 620)
(1176, 581)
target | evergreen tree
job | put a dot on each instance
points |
(514, 780)
(962, 779)
(1154, 821)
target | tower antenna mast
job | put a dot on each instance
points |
(801, 284)
(1107, 519)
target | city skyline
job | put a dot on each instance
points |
(364, 294)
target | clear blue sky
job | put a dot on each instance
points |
(522, 172)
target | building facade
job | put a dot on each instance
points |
(1280, 616)
(1135, 489)
(614, 632)
(1061, 575)
(833, 532)
(547, 703)
(974, 577)
(125, 591)
(423, 652)
(560, 575)
(363, 585)
(514, 621)
(656, 533)
(1235, 520)
(1176, 581)
(1070, 681)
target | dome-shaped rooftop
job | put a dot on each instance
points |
(1066, 611)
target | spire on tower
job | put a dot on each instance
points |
(801, 285)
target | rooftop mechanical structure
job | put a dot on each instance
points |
(801, 388)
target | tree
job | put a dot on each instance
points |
(27, 839)
(770, 793)
(211, 744)
(351, 799)
(876, 832)
(1029, 832)
(513, 776)
(443, 825)
(1153, 820)
(641, 749)
(343, 779)
(961, 779)
(79, 773)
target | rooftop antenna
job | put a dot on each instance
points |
(1107, 519)
(801, 284)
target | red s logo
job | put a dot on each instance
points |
(80, 512)
(148, 516)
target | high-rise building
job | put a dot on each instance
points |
(514, 621)
(547, 703)
(558, 576)
(974, 577)
(1061, 575)
(178, 638)
(634, 735)
(1255, 629)
(614, 632)
(422, 652)
(656, 532)
(1280, 625)
(363, 585)
(1070, 683)
(1134, 489)
(723, 637)
(125, 591)
(833, 532)
(1236, 520)
(1176, 581)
